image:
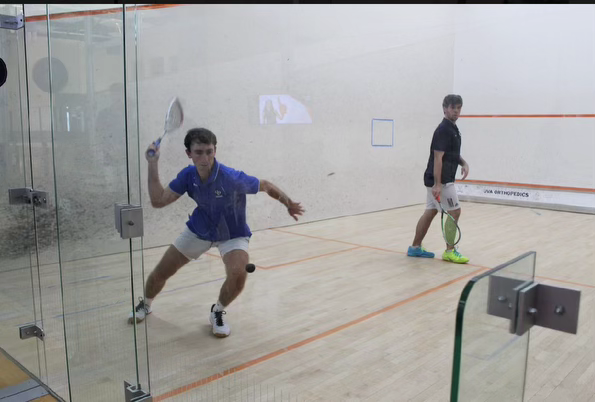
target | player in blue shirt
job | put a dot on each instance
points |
(218, 220)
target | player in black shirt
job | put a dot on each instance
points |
(439, 179)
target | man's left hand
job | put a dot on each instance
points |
(295, 209)
(465, 171)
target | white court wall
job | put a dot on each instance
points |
(356, 63)
(528, 60)
(349, 64)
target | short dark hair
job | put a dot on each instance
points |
(199, 136)
(453, 100)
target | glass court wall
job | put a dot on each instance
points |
(69, 132)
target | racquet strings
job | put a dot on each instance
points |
(451, 232)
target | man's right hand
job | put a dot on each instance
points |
(436, 189)
(155, 156)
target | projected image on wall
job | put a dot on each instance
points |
(283, 109)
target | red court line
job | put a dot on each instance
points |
(527, 116)
(358, 246)
(317, 238)
(565, 281)
(74, 14)
(312, 258)
(213, 255)
(368, 247)
(526, 185)
(314, 338)
(296, 261)
(402, 252)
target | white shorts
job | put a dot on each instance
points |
(448, 198)
(192, 247)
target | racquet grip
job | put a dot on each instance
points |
(151, 152)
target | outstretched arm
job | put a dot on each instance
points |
(293, 208)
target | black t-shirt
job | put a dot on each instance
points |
(446, 138)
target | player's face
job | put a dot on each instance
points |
(452, 112)
(203, 156)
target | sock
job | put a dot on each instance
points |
(148, 301)
(218, 306)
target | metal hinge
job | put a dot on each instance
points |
(29, 331)
(527, 303)
(129, 220)
(11, 21)
(27, 195)
(133, 393)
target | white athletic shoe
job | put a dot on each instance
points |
(220, 328)
(141, 310)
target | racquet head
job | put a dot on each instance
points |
(174, 116)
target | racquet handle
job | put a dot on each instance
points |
(151, 152)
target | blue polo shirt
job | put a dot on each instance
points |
(221, 202)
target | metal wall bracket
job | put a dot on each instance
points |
(548, 306)
(527, 303)
(133, 393)
(129, 220)
(29, 331)
(11, 21)
(503, 298)
(27, 195)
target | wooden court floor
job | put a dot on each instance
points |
(17, 385)
(336, 311)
